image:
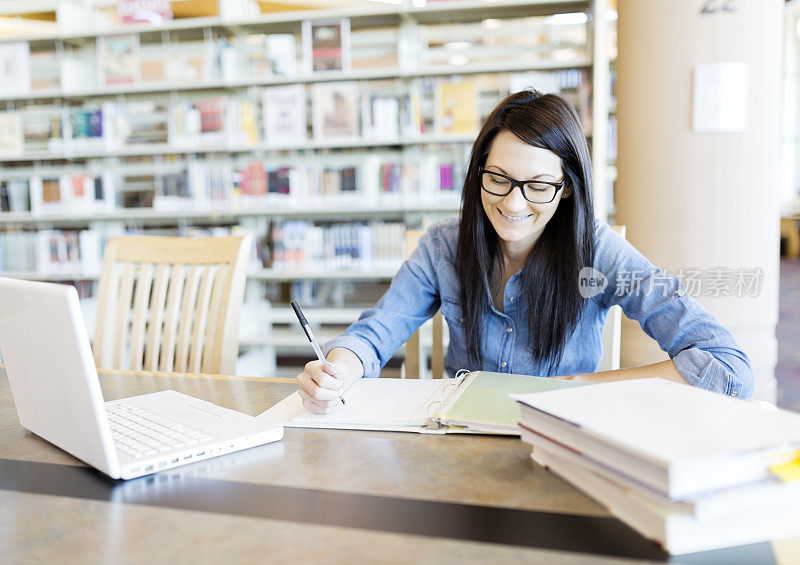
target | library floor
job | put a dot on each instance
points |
(788, 332)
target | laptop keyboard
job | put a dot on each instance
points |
(140, 433)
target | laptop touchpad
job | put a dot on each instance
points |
(190, 412)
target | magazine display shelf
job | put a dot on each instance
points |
(426, 53)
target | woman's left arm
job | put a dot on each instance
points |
(663, 370)
(702, 351)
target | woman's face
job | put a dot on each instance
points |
(518, 222)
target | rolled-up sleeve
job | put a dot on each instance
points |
(412, 298)
(704, 351)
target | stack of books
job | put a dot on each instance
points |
(690, 469)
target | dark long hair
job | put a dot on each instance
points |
(549, 279)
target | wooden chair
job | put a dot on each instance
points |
(415, 358)
(171, 304)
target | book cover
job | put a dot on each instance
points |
(281, 54)
(118, 60)
(457, 106)
(45, 73)
(326, 45)
(154, 12)
(723, 441)
(284, 109)
(15, 71)
(11, 138)
(278, 181)
(335, 110)
(212, 111)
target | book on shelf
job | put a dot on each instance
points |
(241, 122)
(380, 116)
(335, 110)
(153, 63)
(83, 17)
(11, 134)
(154, 12)
(15, 72)
(412, 179)
(118, 59)
(87, 128)
(326, 45)
(253, 180)
(219, 60)
(199, 122)
(144, 122)
(267, 55)
(14, 196)
(48, 252)
(172, 191)
(17, 251)
(284, 115)
(212, 185)
(411, 123)
(456, 102)
(376, 48)
(44, 70)
(299, 245)
(76, 73)
(57, 251)
(71, 192)
(192, 60)
(36, 128)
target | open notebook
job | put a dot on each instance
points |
(477, 402)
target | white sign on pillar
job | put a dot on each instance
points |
(720, 97)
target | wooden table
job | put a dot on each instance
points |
(316, 496)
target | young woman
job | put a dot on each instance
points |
(506, 275)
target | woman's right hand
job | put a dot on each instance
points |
(320, 385)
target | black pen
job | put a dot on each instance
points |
(310, 336)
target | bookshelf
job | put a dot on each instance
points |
(218, 124)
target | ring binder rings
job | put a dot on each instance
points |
(473, 402)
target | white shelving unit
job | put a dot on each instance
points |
(433, 30)
(162, 87)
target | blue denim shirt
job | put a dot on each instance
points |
(704, 352)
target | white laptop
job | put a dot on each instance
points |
(57, 393)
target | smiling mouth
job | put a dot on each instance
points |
(514, 218)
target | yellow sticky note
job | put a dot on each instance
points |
(789, 471)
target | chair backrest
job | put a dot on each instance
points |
(415, 363)
(612, 331)
(171, 303)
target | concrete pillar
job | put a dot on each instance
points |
(698, 200)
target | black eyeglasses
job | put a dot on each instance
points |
(536, 191)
